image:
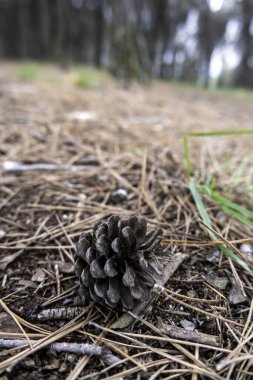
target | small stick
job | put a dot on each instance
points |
(75, 348)
(191, 336)
(57, 276)
(14, 166)
(227, 243)
(160, 289)
(126, 319)
(60, 313)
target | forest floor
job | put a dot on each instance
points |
(69, 140)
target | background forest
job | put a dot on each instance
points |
(209, 42)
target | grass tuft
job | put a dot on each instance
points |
(89, 77)
(235, 210)
(29, 72)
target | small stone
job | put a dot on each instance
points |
(39, 275)
(53, 365)
(118, 196)
(64, 267)
(29, 363)
(216, 281)
(63, 368)
(187, 325)
(247, 251)
(246, 247)
(103, 178)
(237, 294)
(222, 218)
(191, 293)
(213, 256)
(70, 358)
(81, 116)
(2, 234)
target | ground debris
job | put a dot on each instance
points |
(187, 325)
(14, 166)
(64, 267)
(2, 233)
(237, 294)
(213, 256)
(54, 314)
(39, 275)
(7, 324)
(216, 281)
(76, 348)
(188, 335)
(126, 319)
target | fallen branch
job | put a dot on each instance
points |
(74, 348)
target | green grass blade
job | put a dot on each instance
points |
(229, 253)
(231, 205)
(200, 206)
(204, 216)
(238, 216)
(208, 134)
(221, 133)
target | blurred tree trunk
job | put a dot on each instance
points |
(99, 34)
(244, 76)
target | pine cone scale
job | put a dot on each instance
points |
(129, 277)
(97, 268)
(109, 268)
(126, 297)
(113, 291)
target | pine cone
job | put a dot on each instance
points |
(116, 264)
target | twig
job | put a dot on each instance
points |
(191, 336)
(75, 348)
(160, 289)
(14, 166)
(125, 320)
(58, 284)
(60, 313)
(227, 243)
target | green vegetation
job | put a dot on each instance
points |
(83, 76)
(231, 208)
(29, 72)
(207, 134)
(36, 72)
(88, 77)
